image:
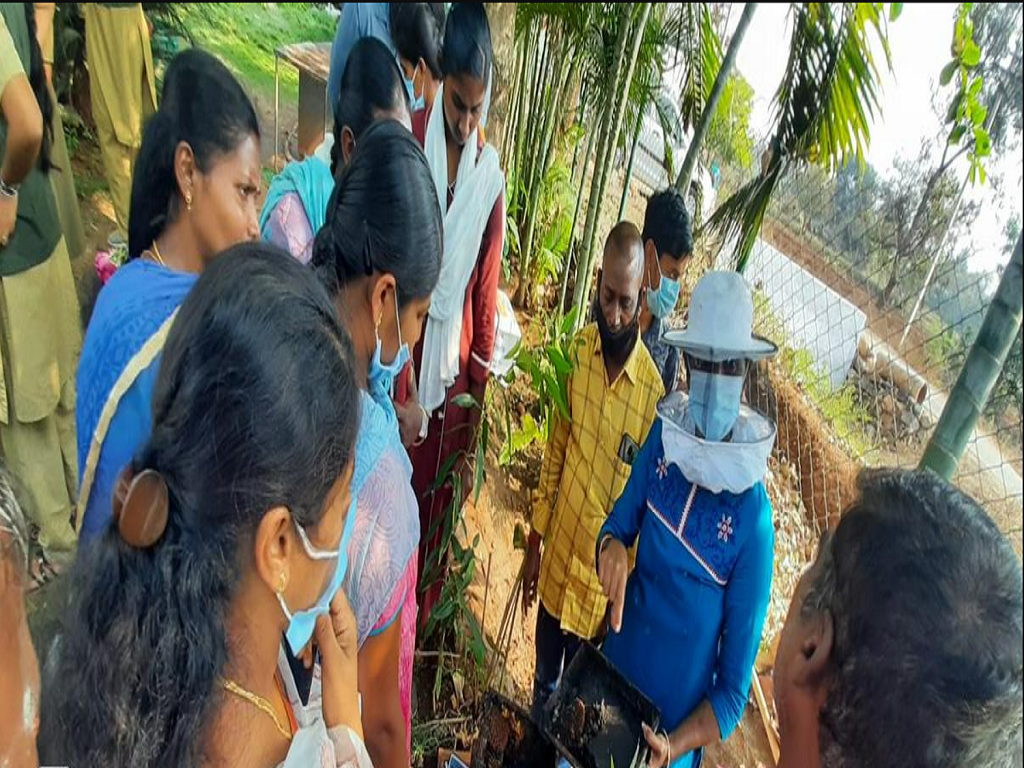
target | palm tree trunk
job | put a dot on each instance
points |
(701, 131)
(603, 130)
(552, 106)
(629, 166)
(534, 180)
(575, 217)
(615, 129)
(518, 100)
(521, 127)
(581, 108)
(980, 373)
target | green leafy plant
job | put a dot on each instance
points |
(451, 617)
(549, 366)
(825, 104)
(966, 115)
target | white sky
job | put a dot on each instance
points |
(919, 42)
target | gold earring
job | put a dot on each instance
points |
(188, 200)
(283, 581)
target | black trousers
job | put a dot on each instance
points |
(555, 651)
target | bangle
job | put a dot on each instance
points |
(605, 541)
(424, 427)
(8, 190)
(668, 745)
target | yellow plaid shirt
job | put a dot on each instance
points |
(582, 475)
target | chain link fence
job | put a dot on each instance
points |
(874, 297)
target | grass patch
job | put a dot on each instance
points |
(245, 36)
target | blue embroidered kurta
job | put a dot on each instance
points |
(696, 603)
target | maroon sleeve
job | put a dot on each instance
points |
(485, 295)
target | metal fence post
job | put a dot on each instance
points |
(981, 370)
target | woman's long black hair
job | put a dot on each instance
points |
(371, 85)
(383, 216)
(37, 79)
(255, 407)
(417, 30)
(202, 105)
(467, 48)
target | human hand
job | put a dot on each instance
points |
(337, 638)
(8, 218)
(410, 418)
(531, 571)
(613, 572)
(661, 748)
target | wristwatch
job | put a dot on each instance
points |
(8, 190)
(424, 426)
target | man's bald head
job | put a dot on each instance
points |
(622, 273)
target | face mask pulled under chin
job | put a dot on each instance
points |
(302, 623)
(616, 345)
(380, 376)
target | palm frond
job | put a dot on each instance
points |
(824, 107)
(703, 60)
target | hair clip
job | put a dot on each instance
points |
(141, 505)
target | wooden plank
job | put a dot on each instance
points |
(312, 59)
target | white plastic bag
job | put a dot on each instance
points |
(507, 336)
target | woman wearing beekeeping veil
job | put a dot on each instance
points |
(686, 624)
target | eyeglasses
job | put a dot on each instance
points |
(736, 367)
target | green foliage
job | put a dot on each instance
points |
(555, 210)
(966, 115)
(451, 617)
(729, 136)
(549, 366)
(825, 106)
(999, 33)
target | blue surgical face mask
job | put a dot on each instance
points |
(715, 403)
(302, 623)
(416, 103)
(380, 376)
(662, 301)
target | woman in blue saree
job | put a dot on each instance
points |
(193, 195)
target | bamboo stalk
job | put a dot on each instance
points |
(639, 30)
(980, 373)
(583, 260)
(629, 166)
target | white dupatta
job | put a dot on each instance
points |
(478, 184)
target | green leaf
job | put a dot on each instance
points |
(465, 400)
(568, 322)
(895, 9)
(562, 366)
(956, 134)
(971, 55)
(954, 108)
(443, 473)
(946, 76)
(982, 143)
(978, 114)
(974, 89)
(481, 464)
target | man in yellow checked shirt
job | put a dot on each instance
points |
(613, 391)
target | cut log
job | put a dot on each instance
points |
(890, 367)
